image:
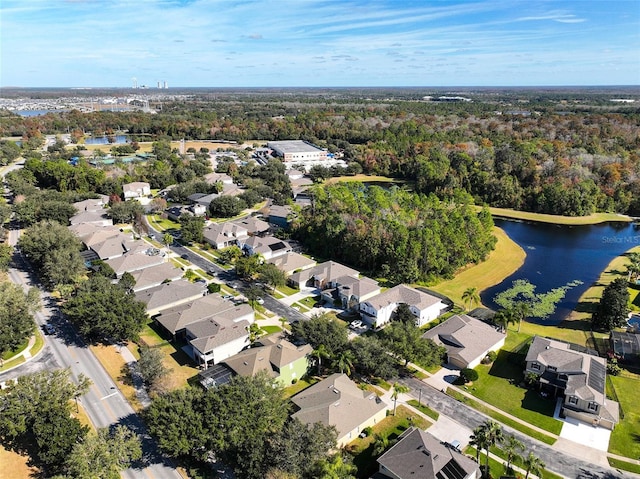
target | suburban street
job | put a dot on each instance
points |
(556, 461)
(104, 404)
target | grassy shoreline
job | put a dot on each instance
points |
(592, 219)
(503, 261)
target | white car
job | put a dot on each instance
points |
(259, 300)
(357, 324)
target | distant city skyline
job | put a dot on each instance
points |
(316, 43)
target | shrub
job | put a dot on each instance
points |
(469, 374)
(490, 357)
(213, 287)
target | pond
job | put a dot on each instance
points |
(560, 254)
(104, 140)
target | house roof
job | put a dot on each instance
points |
(133, 261)
(212, 333)
(328, 271)
(403, 294)
(92, 204)
(222, 232)
(178, 317)
(626, 344)
(272, 354)
(465, 338)
(172, 293)
(586, 372)
(253, 225)
(90, 217)
(267, 245)
(337, 401)
(154, 275)
(418, 454)
(214, 177)
(291, 261)
(279, 211)
(135, 187)
(358, 287)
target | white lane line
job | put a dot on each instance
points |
(108, 396)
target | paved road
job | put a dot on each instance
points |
(556, 461)
(230, 278)
(104, 404)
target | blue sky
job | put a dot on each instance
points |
(252, 43)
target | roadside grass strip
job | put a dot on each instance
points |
(501, 418)
(424, 409)
(301, 307)
(623, 465)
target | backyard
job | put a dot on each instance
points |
(625, 439)
(389, 428)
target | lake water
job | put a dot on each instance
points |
(557, 255)
(103, 140)
(36, 112)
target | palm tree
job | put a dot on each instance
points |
(167, 240)
(478, 440)
(380, 444)
(521, 310)
(471, 296)
(633, 268)
(504, 318)
(533, 464)
(493, 434)
(510, 448)
(344, 361)
(319, 353)
(397, 390)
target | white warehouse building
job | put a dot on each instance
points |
(292, 151)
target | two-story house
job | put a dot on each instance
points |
(575, 374)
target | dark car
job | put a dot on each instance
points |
(184, 256)
(48, 328)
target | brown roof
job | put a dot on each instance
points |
(291, 261)
(178, 317)
(337, 401)
(154, 275)
(271, 355)
(173, 293)
(133, 261)
(215, 332)
(328, 271)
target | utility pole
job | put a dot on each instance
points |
(420, 397)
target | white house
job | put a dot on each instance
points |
(378, 310)
(267, 246)
(138, 190)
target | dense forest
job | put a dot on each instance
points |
(561, 152)
(400, 235)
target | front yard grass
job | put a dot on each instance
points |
(271, 329)
(623, 465)
(300, 385)
(287, 290)
(15, 465)
(390, 427)
(424, 409)
(625, 438)
(501, 417)
(498, 385)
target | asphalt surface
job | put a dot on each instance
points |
(230, 278)
(556, 461)
(104, 404)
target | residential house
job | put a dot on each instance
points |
(254, 225)
(169, 294)
(109, 242)
(213, 178)
(175, 212)
(378, 310)
(467, 340)
(135, 260)
(155, 275)
(321, 276)
(279, 215)
(338, 401)
(92, 204)
(575, 374)
(219, 337)
(96, 218)
(419, 455)
(349, 291)
(291, 262)
(176, 318)
(138, 190)
(282, 360)
(221, 235)
(266, 246)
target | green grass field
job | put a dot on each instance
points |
(624, 466)
(505, 259)
(557, 219)
(625, 438)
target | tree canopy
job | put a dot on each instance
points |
(612, 309)
(16, 315)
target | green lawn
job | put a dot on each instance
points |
(498, 469)
(271, 329)
(592, 219)
(424, 409)
(623, 465)
(310, 301)
(163, 224)
(498, 385)
(287, 290)
(391, 427)
(300, 385)
(501, 417)
(625, 438)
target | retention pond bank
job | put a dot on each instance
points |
(561, 254)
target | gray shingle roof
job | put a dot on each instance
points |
(168, 294)
(336, 401)
(215, 332)
(403, 294)
(419, 455)
(153, 276)
(465, 338)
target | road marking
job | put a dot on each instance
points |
(108, 396)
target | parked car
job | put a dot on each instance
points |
(48, 328)
(259, 300)
(184, 256)
(357, 324)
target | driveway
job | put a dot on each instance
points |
(448, 430)
(442, 378)
(583, 433)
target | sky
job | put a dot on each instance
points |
(316, 43)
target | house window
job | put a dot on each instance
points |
(552, 368)
(573, 400)
(535, 366)
(593, 406)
